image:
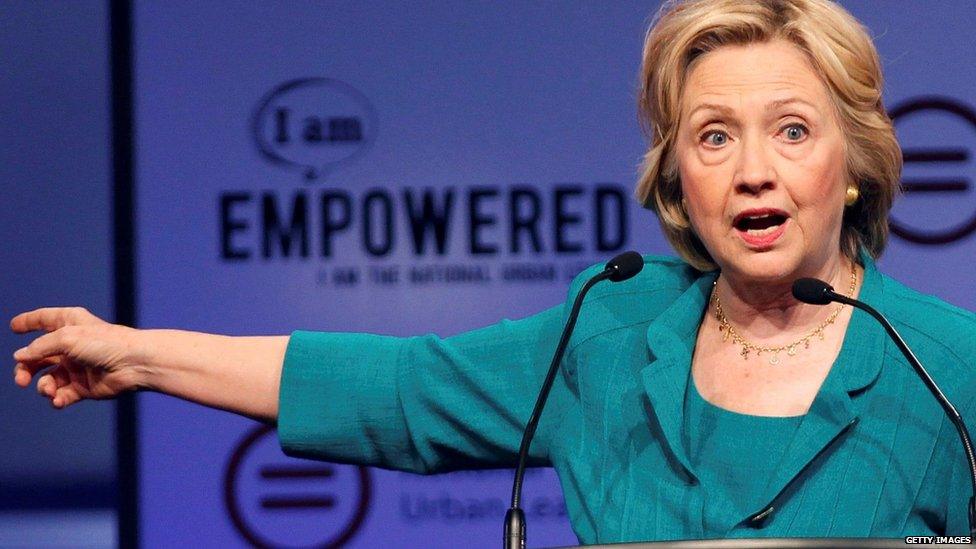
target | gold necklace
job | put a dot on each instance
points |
(729, 331)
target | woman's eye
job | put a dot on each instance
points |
(795, 132)
(715, 138)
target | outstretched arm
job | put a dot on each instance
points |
(423, 404)
(83, 357)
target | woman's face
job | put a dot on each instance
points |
(761, 159)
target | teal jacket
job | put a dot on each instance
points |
(875, 455)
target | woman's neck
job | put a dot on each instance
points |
(764, 311)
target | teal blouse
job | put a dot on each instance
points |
(734, 456)
(873, 457)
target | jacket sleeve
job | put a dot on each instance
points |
(423, 404)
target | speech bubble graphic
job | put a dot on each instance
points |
(313, 125)
(277, 501)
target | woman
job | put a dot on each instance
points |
(698, 399)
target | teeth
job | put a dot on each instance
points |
(762, 232)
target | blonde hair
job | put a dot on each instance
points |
(840, 52)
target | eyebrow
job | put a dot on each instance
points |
(710, 107)
(788, 101)
(779, 103)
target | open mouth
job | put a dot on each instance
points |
(759, 225)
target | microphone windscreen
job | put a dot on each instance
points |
(625, 266)
(813, 291)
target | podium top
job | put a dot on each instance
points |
(777, 543)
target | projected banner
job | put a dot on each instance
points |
(349, 167)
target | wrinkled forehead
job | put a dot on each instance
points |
(752, 78)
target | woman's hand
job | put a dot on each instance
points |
(81, 355)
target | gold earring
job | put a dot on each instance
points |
(852, 195)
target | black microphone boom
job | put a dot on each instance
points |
(620, 268)
(818, 292)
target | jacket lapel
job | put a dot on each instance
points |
(671, 340)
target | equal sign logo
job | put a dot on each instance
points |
(275, 501)
(299, 472)
(937, 136)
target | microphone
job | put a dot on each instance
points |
(818, 292)
(620, 268)
(624, 266)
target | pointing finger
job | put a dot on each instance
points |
(51, 318)
(48, 318)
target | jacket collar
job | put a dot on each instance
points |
(866, 341)
(671, 340)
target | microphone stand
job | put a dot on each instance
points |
(515, 517)
(947, 406)
(619, 268)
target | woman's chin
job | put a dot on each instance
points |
(768, 267)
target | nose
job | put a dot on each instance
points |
(754, 171)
